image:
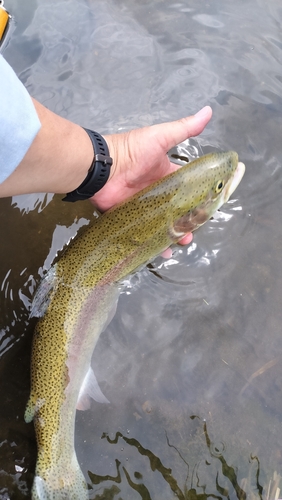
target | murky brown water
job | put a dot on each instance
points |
(191, 363)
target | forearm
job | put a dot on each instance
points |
(56, 162)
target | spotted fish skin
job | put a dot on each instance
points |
(83, 288)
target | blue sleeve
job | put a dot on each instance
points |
(19, 122)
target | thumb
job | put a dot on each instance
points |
(173, 133)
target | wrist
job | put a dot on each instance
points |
(77, 151)
(113, 191)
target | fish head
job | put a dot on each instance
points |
(206, 186)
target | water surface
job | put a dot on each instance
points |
(191, 362)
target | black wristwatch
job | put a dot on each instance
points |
(98, 173)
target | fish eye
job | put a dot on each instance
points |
(219, 186)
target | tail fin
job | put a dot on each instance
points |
(61, 483)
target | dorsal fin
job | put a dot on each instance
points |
(43, 294)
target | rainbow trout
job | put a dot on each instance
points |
(80, 292)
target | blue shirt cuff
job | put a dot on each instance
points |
(19, 123)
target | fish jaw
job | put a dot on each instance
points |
(234, 181)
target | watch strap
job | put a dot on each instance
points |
(98, 172)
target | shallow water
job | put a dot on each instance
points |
(191, 362)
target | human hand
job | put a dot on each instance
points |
(140, 158)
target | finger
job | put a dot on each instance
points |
(186, 239)
(167, 254)
(172, 133)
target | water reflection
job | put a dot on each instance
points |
(30, 202)
(226, 482)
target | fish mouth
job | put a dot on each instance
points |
(236, 179)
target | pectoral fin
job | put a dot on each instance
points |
(29, 411)
(90, 389)
(33, 405)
